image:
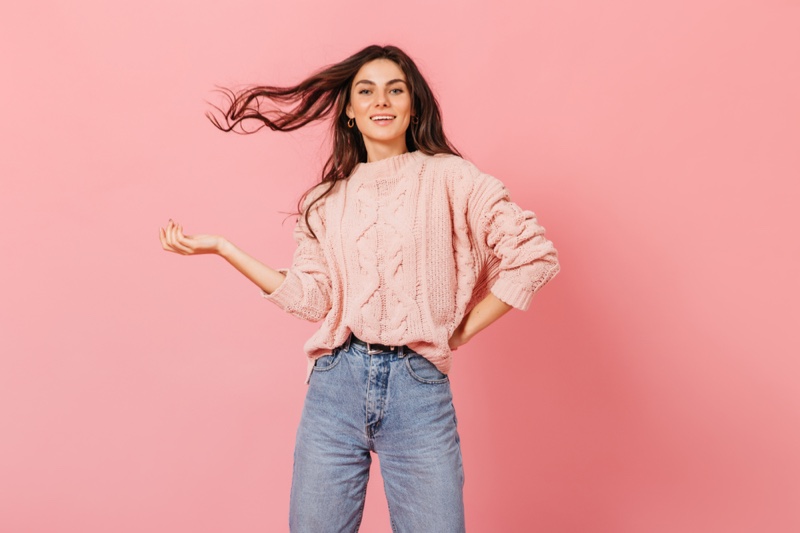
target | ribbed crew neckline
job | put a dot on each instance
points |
(385, 167)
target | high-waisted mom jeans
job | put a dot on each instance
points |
(393, 403)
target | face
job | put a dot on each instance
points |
(380, 103)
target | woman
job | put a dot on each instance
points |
(404, 251)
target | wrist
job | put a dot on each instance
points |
(461, 333)
(224, 248)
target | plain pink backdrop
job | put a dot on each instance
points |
(652, 386)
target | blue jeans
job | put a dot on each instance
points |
(396, 404)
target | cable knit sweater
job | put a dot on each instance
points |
(406, 247)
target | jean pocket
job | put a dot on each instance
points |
(424, 371)
(326, 362)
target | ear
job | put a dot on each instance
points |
(349, 111)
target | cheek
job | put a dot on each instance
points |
(362, 108)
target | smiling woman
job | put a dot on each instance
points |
(380, 106)
(326, 94)
(405, 251)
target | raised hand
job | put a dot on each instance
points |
(173, 240)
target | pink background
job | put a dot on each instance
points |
(652, 387)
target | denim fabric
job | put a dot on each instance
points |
(396, 404)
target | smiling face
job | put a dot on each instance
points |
(380, 103)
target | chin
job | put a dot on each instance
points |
(387, 139)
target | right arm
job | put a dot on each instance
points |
(268, 279)
(304, 290)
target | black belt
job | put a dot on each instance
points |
(373, 347)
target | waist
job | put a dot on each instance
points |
(373, 347)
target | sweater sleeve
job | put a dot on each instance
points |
(306, 291)
(525, 259)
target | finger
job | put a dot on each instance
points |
(178, 232)
(179, 245)
(180, 241)
(186, 240)
(166, 242)
(171, 239)
(163, 236)
(168, 234)
(182, 233)
(179, 235)
(184, 249)
(173, 233)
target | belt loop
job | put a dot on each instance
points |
(401, 351)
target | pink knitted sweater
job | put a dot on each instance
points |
(406, 247)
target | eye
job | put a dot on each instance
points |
(396, 91)
(364, 91)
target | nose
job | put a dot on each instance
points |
(380, 99)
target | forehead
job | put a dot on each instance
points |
(380, 70)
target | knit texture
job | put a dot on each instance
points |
(406, 247)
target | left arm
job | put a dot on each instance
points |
(484, 313)
(527, 260)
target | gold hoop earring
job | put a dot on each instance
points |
(351, 122)
(414, 119)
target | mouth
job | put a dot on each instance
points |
(382, 119)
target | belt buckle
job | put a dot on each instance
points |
(374, 351)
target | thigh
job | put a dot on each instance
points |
(331, 460)
(420, 452)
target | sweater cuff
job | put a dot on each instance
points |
(512, 294)
(290, 290)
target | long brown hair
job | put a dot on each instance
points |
(327, 93)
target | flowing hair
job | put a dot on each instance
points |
(326, 94)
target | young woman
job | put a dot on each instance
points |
(405, 251)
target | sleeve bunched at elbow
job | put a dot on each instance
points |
(306, 291)
(527, 260)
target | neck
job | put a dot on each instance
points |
(378, 151)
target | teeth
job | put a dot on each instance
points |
(382, 117)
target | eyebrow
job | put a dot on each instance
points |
(370, 82)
